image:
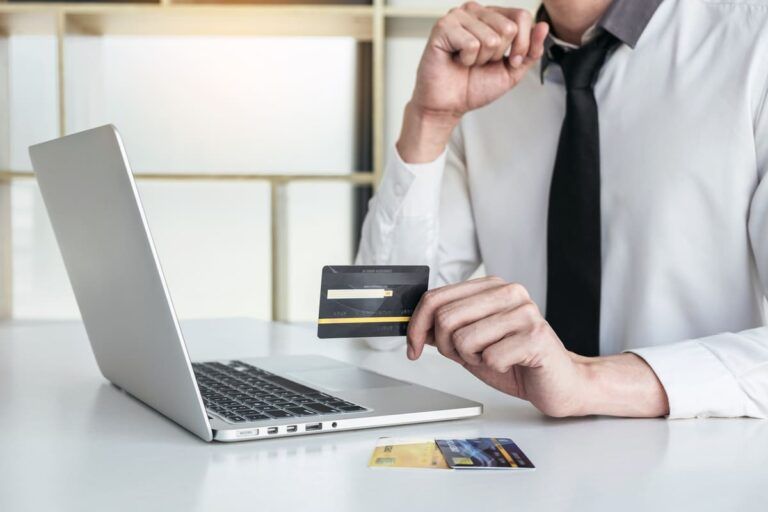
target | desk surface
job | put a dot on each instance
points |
(70, 441)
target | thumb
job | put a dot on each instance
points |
(416, 347)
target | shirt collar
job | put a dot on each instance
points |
(625, 19)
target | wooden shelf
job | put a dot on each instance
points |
(26, 21)
(190, 19)
(224, 20)
(284, 3)
(203, 17)
(354, 178)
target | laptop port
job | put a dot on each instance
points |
(291, 428)
(313, 426)
(272, 430)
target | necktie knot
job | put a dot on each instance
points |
(581, 66)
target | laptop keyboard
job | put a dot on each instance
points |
(240, 392)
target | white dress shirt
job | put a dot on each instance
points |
(684, 157)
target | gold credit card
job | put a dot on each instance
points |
(368, 301)
(392, 452)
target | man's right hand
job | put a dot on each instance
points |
(475, 54)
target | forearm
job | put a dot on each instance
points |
(622, 385)
(424, 135)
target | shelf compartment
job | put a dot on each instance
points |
(282, 3)
(235, 20)
(16, 21)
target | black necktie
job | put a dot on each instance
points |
(573, 241)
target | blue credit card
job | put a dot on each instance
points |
(483, 453)
(369, 301)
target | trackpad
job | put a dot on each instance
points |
(345, 379)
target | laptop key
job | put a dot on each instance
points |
(351, 408)
(320, 407)
(300, 411)
(277, 413)
(288, 384)
(256, 417)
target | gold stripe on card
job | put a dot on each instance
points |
(505, 454)
(365, 320)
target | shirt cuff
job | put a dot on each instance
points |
(411, 190)
(696, 382)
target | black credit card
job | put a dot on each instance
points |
(368, 301)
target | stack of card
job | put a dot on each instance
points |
(479, 453)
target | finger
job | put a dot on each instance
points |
(447, 351)
(522, 41)
(465, 44)
(535, 51)
(538, 37)
(457, 314)
(472, 339)
(421, 323)
(450, 36)
(422, 320)
(490, 41)
(510, 351)
(430, 340)
(503, 26)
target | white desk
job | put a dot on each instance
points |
(70, 441)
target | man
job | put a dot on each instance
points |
(632, 245)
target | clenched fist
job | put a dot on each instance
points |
(474, 55)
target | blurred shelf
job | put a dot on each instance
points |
(190, 19)
(358, 178)
(305, 3)
(224, 20)
(26, 21)
(203, 17)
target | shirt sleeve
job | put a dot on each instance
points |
(725, 375)
(406, 216)
(412, 205)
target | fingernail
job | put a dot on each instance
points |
(516, 61)
(410, 352)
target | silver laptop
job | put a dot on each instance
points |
(96, 213)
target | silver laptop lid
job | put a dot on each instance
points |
(96, 213)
